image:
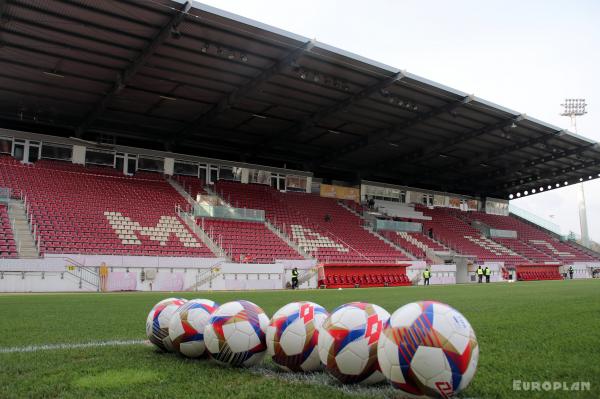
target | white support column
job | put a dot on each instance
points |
(585, 238)
(308, 184)
(79, 154)
(245, 175)
(169, 166)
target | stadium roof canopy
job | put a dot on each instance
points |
(190, 78)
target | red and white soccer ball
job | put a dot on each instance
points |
(157, 322)
(348, 342)
(428, 349)
(292, 336)
(186, 328)
(235, 334)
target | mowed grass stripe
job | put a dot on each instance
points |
(533, 331)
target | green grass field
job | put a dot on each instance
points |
(534, 331)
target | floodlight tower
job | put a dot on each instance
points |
(574, 107)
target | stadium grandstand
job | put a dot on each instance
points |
(192, 148)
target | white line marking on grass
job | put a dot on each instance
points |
(50, 347)
(267, 369)
(321, 378)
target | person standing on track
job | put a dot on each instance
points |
(479, 274)
(571, 272)
(487, 272)
(426, 276)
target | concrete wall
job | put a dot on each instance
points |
(440, 274)
(160, 274)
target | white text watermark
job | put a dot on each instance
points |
(519, 385)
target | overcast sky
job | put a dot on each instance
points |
(525, 55)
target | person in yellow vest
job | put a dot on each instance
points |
(294, 278)
(487, 273)
(426, 276)
(479, 274)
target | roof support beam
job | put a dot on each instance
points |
(534, 182)
(312, 120)
(232, 98)
(486, 156)
(125, 77)
(2, 8)
(441, 145)
(384, 134)
(538, 161)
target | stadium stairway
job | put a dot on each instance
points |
(247, 241)
(302, 217)
(396, 245)
(425, 254)
(532, 241)
(84, 276)
(95, 210)
(189, 220)
(419, 245)
(23, 236)
(179, 188)
(460, 236)
(271, 238)
(206, 278)
(351, 208)
(285, 238)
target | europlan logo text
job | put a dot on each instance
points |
(519, 385)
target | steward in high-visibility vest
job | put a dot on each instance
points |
(487, 273)
(294, 278)
(479, 274)
(426, 276)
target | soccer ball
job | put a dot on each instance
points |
(235, 334)
(348, 342)
(186, 328)
(292, 336)
(428, 349)
(157, 323)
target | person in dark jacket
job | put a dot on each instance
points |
(487, 272)
(294, 278)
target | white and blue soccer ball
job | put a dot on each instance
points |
(157, 322)
(428, 349)
(348, 342)
(293, 334)
(186, 328)
(235, 334)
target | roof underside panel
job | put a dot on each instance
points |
(203, 81)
